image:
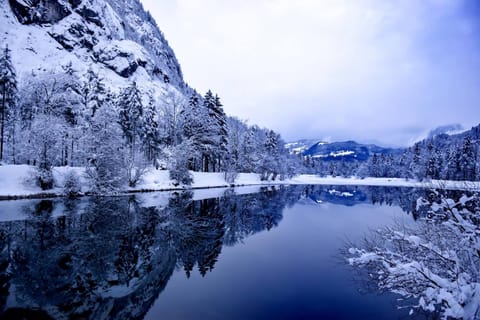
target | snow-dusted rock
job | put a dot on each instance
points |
(119, 40)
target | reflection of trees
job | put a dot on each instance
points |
(436, 262)
(252, 213)
(110, 258)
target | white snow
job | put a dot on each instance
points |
(387, 182)
(340, 153)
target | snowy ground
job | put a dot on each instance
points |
(15, 181)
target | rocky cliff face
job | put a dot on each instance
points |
(118, 39)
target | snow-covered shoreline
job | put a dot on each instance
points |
(15, 182)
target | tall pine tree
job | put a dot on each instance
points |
(8, 91)
(150, 129)
(131, 115)
(218, 129)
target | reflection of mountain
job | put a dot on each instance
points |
(343, 195)
(354, 195)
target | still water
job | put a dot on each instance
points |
(248, 253)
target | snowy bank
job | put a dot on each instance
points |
(16, 182)
(386, 182)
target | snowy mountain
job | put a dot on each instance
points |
(345, 150)
(118, 40)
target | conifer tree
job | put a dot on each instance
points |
(218, 129)
(8, 91)
(150, 129)
(93, 92)
(196, 130)
(131, 115)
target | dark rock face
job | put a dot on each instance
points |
(77, 35)
(39, 11)
(63, 41)
(128, 71)
(75, 3)
(122, 63)
(90, 16)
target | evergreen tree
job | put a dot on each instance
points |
(8, 91)
(93, 93)
(416, 166)
(150, 129)
(211, 139)
(271, 157)
(373, 165)
(196, 125)
(131, 116)
(221, 121)
(249, 152)
(467, 160)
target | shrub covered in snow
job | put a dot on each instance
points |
(44, 178)
(178, 165)
(436, 262)
(72, 185)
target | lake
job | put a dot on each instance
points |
(244, 253)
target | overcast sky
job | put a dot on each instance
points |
(369, 70)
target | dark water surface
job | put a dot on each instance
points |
(270, 254)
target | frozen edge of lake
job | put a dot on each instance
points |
(14, 182)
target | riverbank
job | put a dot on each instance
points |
(16, 182)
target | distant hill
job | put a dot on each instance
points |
(335, 151)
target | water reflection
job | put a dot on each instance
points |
(110, 258)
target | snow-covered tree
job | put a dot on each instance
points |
(93, 93)
(250, 154)
(217, 131)
(222, 124)
(106, 166)
(467, 159)
(8, 92)
(436, 262)
(197, 127)
(150, 129)
(270, 161)
(131, 116)
(178, 165)
(45, 138)
(172, 105)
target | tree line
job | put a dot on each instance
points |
(441, 157)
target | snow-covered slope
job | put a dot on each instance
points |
(300, 146)
(117, 39)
